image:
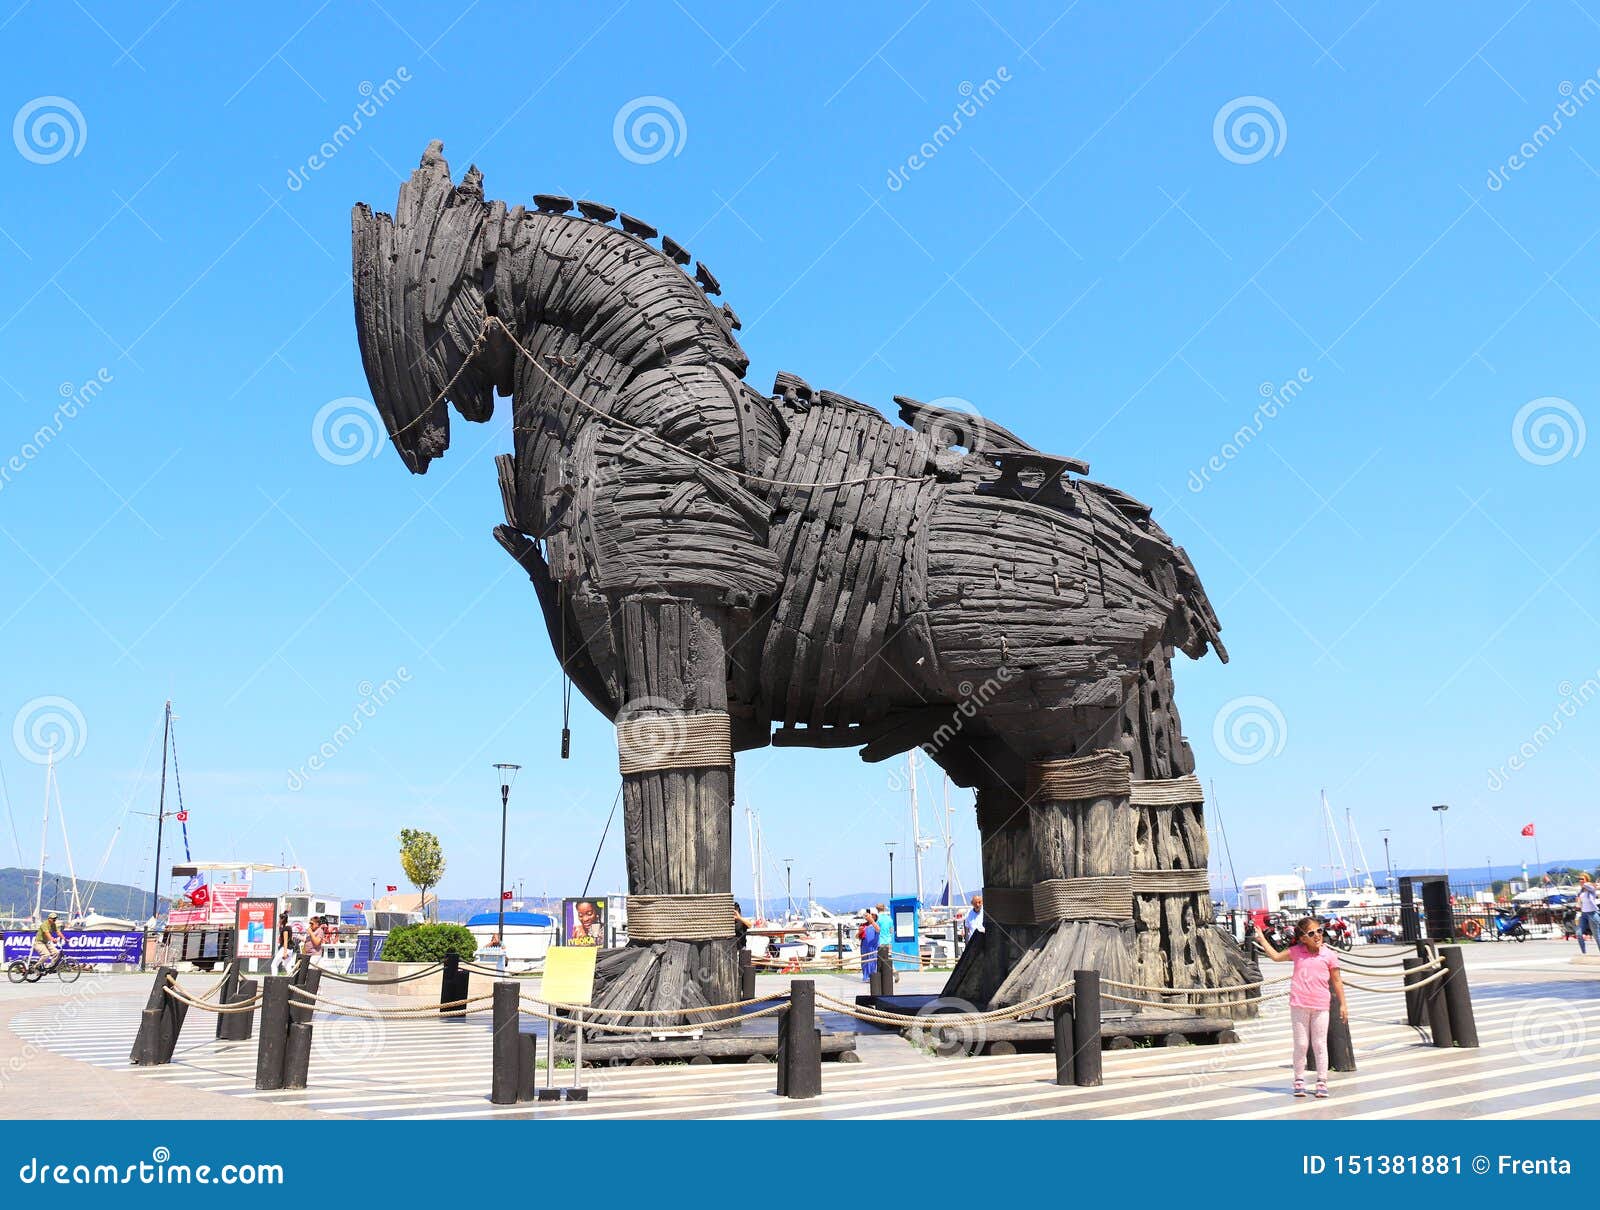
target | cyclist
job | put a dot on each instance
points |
(47, 942)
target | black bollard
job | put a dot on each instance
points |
(452, 983)
(1086, 1029)
(1437, 1012)
(1065, 1049)
(1341, 1051)
(505, 1074)
(147, 1043)
(886, 969)
(297, 1044)
(747, 976)
(274, 1037)
(225, 994)
(800, 1044)
(237, 1026)
(173, 1012)
(1413, 996)
(527, 1067)
(1458, 998)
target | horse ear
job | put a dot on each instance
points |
(419, 307)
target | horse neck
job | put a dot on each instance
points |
(588, 287)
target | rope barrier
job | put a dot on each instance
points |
(241, 1007)
(371, 982)
(611, 1027)
(1185, 991)
(300, 996)
(1408, 987)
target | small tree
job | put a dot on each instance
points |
(423, 861)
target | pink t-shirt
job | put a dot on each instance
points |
(1309, 985)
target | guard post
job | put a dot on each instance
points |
(273, 1036)
(800, 1044)
(297, 1044)
(1458, 997)
(1341, 1051)
(505, 1073)
(1086, 1029)
(452, 982)
(1409, 980)
(1066, 1064)
(159, 1024)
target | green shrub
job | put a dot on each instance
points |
(428, 943)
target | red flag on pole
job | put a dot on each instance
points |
(391, 888)
(1527, 829)
(357, 906)
(505, 894)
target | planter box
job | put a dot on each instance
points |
(425, 988)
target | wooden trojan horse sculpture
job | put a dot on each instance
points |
(720, 570)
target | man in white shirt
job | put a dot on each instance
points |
(973, 923)
(1588, 915)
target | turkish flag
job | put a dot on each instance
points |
(183, 817)
(356, 907)
(505, 894)
(391, 888)
(200, 896)
(1527, 829)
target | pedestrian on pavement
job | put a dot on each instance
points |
(869, 945)
(283, 959)
(1588, 915)
(1312, 986)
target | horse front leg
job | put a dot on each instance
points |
(675, 755)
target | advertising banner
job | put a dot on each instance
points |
(583, 921)
(90, 949)
(256, 921)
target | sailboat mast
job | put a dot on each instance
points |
(75, 910)
(949, 850)
(916, 826)
(44, 833)
(161, 811)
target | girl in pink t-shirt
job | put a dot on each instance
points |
(1312, 986)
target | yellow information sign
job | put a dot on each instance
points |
(569, 974)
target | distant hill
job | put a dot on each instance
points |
(109, 898)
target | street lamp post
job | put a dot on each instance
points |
(508, 774)
(1444, 853)
(788, 883)
(890, 845)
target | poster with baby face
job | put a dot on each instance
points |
(583, 921)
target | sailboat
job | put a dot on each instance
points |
(1353, 896)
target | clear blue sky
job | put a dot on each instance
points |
(1407, 587)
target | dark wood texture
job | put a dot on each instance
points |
(826, 576)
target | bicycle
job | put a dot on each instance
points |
(33, 969)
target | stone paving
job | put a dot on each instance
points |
(63, 1054)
